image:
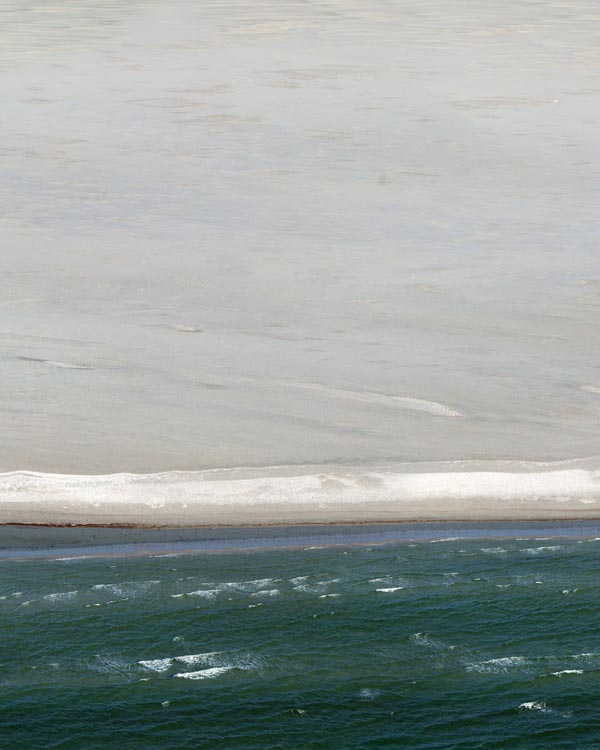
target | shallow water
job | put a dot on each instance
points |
(260, 233)
(478, 642)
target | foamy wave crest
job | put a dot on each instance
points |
(192, 660)
(254, 588)
(535, 706)
(562, 672)
(125, 589)
(156, 665)
(55, 598)
(587, 656)
(258, 584)
(202, 593)
(204, 674)
(64, 596)
(212, 663)
(368, 694)
(100, 594)
(266, 592)
(457, 490)
(163, 665)
(503, 664)
(317, 587)
(426, 641)
(298, 580)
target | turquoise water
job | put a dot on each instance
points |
(468, 643)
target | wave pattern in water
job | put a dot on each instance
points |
(424, 645)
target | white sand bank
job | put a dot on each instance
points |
(444, 491)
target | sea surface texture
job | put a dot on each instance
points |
(472, 643)
(258, 232)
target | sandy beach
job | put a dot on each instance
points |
(298, 495)
(354, 243)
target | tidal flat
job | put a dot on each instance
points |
(264, 234)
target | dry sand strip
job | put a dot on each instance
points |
(451, 491)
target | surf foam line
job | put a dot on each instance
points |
(282, 495)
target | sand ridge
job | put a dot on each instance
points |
(449, 491)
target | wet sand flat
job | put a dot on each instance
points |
(75, 544)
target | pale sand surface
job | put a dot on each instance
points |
(258, 233)
(347, 235)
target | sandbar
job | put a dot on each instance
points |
(446, 491)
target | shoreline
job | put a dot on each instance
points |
(283, 525)
(66, 544)
(459, 491)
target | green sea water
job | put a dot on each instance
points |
(463, 643)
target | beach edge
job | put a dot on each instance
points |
(309, 494)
